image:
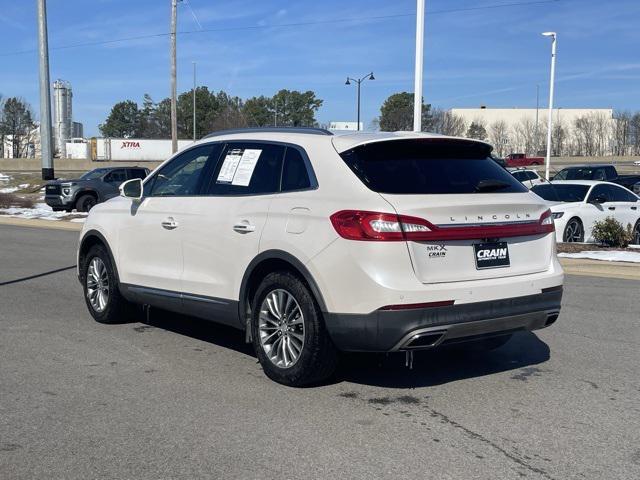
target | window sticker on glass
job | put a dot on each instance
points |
(229, 166)
(246, 167)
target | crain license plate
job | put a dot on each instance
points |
(491, 255)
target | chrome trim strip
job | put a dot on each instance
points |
(485, 224)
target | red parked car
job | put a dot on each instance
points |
(521, 160)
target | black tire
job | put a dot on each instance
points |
(569, 235)
(318, 357)
(117, 309)
(635, 239)
(86, 202)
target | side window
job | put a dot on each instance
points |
(610, 173)
(247, 169)
(531, 175)
(600, 191)
(519, 176)
(183, 175)
(562, 175)
(137, 173)
(294, 172)
(599, 174)
(116, 177)
(619, 194)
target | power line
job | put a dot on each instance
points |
(285, 25)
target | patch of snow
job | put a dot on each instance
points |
(78, 220)
(4, 177)
(9, 189)
(634, 246)
(606, 255)
(40, 210)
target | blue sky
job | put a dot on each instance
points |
(492, 56)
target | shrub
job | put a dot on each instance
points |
(612, 233)
(8, 200)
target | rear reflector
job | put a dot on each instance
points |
(413, 306)
(376, 226)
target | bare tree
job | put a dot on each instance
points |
(525, 135)
(447, 123)
(558, 138)
(602, 126)
(634, 132)
(621, 133)
(499, 137)
(584, 136)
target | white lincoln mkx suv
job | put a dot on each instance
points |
(316, 243)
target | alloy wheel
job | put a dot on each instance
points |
(573, 232)
(97, 284)
(281, 328)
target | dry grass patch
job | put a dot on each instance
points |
(8, 200)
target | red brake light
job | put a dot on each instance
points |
(376, 226)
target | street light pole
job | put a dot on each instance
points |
(194, 101)
(368, 76)
(417, 95)
(45, 93)
(174, 92)
(554, 41)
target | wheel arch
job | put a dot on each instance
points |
(91, 238)
(270, 261)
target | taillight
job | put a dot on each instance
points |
(376, 226)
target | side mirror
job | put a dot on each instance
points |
(599, 199)
(131, 189)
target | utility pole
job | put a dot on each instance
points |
(45, 93)
(537, 111)
(194, 101)
(417, 95)
(554, 40)
(174, 92)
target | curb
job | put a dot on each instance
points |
(600, 268)
(38, 223)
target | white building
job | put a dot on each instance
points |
(525, 129)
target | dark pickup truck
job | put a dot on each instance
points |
(605, 173)
(93, 187)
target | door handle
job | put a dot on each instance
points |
(244, 227)
(611, 208)
(169, 223)
(634, 208)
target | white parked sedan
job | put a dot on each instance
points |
(577, 204)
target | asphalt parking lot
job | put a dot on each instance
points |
(174, 397)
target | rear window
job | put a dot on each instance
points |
(561, 193)
(429, 167)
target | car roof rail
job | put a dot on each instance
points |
(307, 130)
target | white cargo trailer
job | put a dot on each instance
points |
(133, 149)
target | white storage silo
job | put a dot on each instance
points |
(62, 115)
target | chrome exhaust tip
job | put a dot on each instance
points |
(423, 340)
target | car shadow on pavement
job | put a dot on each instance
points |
(211, 332)
(444, 365)
(430, 367)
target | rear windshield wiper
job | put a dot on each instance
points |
(490, 185)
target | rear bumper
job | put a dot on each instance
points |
(392, 330)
